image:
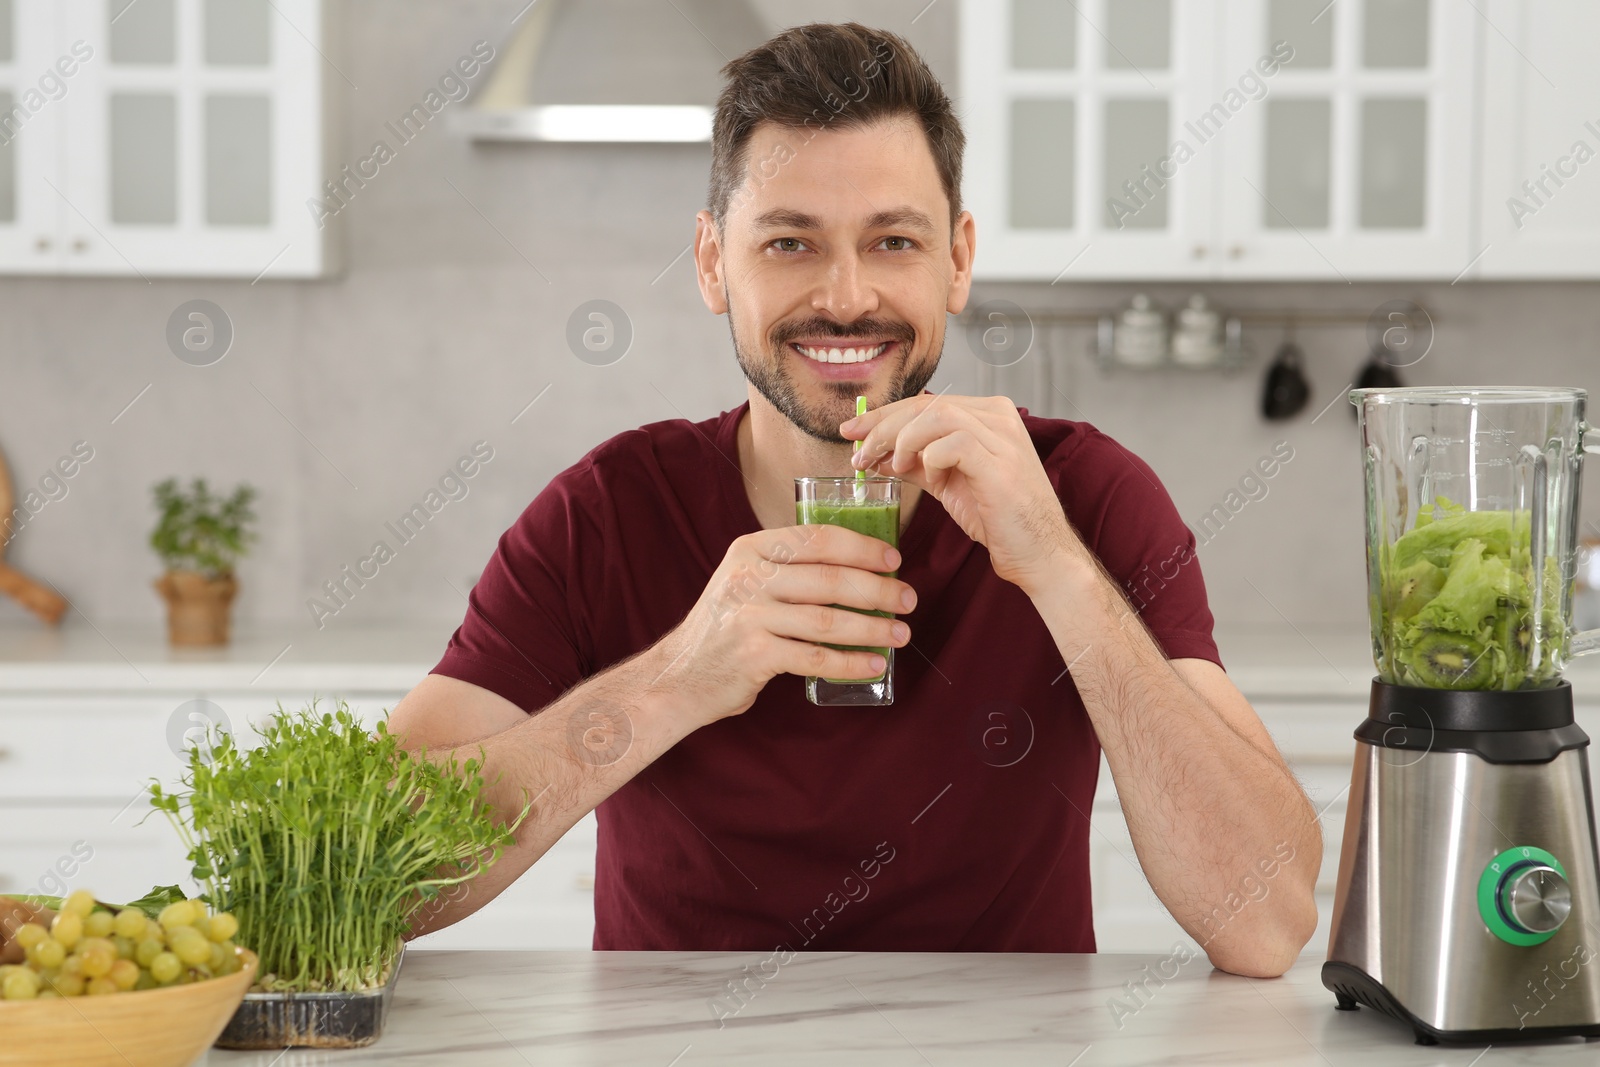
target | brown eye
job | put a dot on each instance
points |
(789, 244)
(897, 244)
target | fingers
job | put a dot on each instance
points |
(836, 626)
(826, 583)
(900, 436)
(957, 451)
(819, 661)
(821, 543)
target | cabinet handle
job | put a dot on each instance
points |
(584, 880)
(41, 244)
(80, 244)
(1199, 252)
(5, 753)
(1236, 252)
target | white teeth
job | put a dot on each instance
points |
(842, 355)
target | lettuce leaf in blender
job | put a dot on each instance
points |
(1458, 604)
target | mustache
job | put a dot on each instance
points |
(783, 333)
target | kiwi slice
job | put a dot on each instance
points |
(1514, 633)
(1411, 589)
(1442, 660)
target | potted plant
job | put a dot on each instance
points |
(200, 536)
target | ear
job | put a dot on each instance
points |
(708, 264)
(963, 245)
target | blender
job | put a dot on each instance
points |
(1467, 902)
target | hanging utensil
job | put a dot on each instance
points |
(1377, 374)
(1286, 391)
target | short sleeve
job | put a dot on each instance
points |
(521, 637)
(1128, 519)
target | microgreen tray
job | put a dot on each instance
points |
(311, 1020)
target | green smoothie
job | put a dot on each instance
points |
(873, 519)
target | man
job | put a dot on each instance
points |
(636, 643)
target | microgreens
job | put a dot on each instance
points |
(325, 839)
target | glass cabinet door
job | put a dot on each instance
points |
(31, 95)
(1076, 157)
(191, 146)
(1348, 158)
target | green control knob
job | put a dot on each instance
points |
(1523, 896)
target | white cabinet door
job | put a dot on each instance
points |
(1356, 161)
(1540, 210)
(32, 91)
(550, 906)
(1073, 113)
(85, 750)
(193, 138)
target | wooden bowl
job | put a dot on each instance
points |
(168, 1027)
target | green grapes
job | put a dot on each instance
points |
(90, 950)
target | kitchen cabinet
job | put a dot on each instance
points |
(1221, 139)
(1353, 163)
(162, 137)
(27, 207)
(1540, 209)
(1062, 105)
(74, 810)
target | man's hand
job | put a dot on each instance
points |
(766, 606)
(976, 458)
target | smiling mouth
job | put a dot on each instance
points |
(853, 354)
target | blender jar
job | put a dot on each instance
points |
(1472, 533)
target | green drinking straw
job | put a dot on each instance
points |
(861, 476)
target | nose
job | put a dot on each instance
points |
(846, 291)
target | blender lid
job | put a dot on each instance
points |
(1489, 394)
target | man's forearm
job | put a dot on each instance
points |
(561, 763)
(1205, 806)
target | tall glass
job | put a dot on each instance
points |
(870, 506)
(1472, 518)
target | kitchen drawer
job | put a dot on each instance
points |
(550, 906)
(1312, 729)
(113, 854)
(1128, 929)
(85, 749)
(1130, 917)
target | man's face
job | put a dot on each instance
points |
(836, 266)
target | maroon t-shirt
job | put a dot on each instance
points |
(955, 819)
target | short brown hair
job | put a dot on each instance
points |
(829, 76)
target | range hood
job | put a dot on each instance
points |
(611, 70)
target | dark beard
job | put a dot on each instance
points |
(773, 380)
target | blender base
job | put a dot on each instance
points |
(1353, 988)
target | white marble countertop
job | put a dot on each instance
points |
(513, 1009)
(1285, 661)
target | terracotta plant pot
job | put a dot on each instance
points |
(198, 608)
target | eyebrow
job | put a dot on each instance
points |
(789, 219)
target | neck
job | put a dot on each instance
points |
(773, 452)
